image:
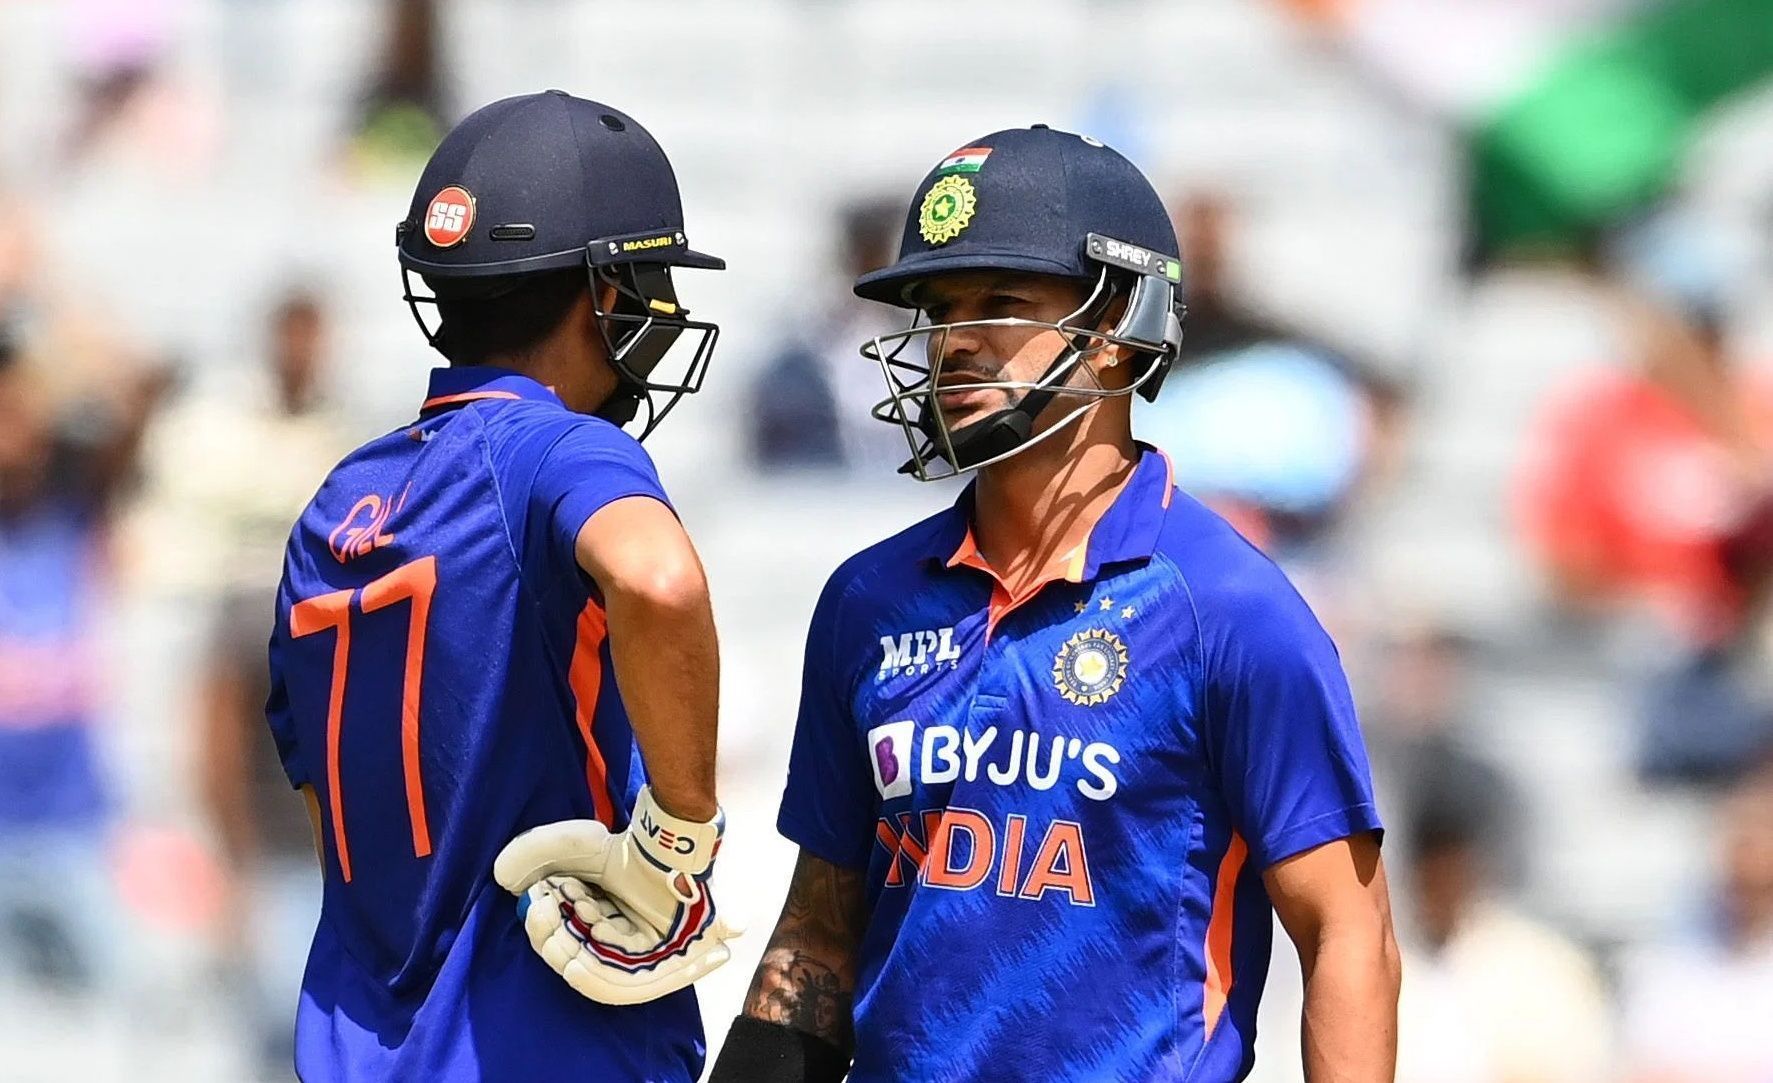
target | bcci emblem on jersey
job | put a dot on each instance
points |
(1090, 667)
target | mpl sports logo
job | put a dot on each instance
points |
(911, 653)
(450, 217)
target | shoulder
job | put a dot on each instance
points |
(859, 595)
(1241, 598)
(360, 469)
(540, 429)
(881, 570)
(866, 589)
(554, 448)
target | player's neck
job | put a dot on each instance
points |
(582, 384)
(571, 361)
(1034, 509)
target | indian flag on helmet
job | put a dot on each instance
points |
(965, 160)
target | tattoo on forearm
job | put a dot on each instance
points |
(807, 979)
(798, 990)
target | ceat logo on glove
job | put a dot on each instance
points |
(450, 217)
(671, 840)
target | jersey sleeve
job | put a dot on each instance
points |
(277, 713)
(1282, 731)
(828, 805)
(589, 465)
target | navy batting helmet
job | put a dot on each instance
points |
(547, 182)
(1032, 201)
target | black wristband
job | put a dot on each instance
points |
(760, 1052)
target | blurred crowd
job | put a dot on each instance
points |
(156, 872)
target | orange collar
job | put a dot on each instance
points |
(1127, 530)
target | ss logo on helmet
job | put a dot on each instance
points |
(450, 217)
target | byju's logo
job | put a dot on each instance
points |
(889, 751)
(917, 652)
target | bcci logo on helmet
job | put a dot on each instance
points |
(450, 217)
(947, 209)
(1090, 667)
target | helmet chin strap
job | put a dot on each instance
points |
(624, 400)
(631, 389)
(622, 404)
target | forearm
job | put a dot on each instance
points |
(667, 665)
(806, 986)
(807, 979)
(796, 1024)
(1349, 1029)
(662, 645)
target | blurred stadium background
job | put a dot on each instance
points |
(1481, 314)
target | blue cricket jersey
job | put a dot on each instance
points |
(441, 676)
(1064, 802)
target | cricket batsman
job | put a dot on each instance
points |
(1065, 747)
(493, 644)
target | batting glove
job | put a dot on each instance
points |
(624, 917)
